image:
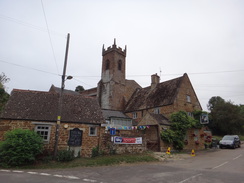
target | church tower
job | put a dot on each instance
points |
(111, 87)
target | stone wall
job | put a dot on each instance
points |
(108, 147)
(88, 142)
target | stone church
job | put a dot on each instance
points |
(125, 103)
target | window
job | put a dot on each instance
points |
(93, 131)
(188, 98)
(44, 132)
(107, 64)
(134, 115)
(120, 65)
(157, 111)
(190, 114)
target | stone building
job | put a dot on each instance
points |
(37, 111)
(118, 114)
(150, 106)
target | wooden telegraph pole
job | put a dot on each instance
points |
(61, 100)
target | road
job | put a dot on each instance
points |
(218, 166)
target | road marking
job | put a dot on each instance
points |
(89, 180)
(71, 177)
(58, 176)
(220, 165)
(17, 171)
(47, 174)
(237, 157)
(192, 177)
(5, 170)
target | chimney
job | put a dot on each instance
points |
(154, 80)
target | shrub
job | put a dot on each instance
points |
(95, 151)
(65, 155)
(181, 122)
(20, 147)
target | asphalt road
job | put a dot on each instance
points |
(218, 166)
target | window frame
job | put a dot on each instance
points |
(134, 115)
(156, 110)
(47, 139)
(188, 98)
(95, 132)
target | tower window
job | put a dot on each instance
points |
(120, 65)
(107, 64)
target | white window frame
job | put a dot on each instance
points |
(40, 128)
(95, 131)
(157, 110)
(134, 115)
(188, 98)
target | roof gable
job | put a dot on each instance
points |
(163, 94)
(153, 119)
(43, 106)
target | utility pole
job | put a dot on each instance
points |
(61, 99)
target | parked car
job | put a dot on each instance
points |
(231, 141)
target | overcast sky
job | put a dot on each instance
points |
(203, 38)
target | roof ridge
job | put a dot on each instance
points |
(32, 91)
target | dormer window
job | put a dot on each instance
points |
(188, 99)
(134, 115)
(156, 110)
(119, 65)
(107, 64)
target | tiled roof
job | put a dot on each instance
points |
(58, 90)
(43, 106)
(163, 94)
(111, 113)
(161, 119)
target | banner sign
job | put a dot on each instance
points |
(125, 140)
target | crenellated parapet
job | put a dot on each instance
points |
(114, 48)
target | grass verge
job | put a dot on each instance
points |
(97, 161)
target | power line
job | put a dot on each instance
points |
(195, 73)
(28, 67)
(29, 25)
(82, 82)
(31, 68)
(49, 36)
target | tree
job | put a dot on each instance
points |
(4, 96)
(79, 88)
(226, 118)
(215, 101)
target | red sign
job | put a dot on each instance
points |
(129, 140)
(124, 140)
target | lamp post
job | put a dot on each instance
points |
(61, 99)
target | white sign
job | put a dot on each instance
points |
(127, 140)
(204, 119)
